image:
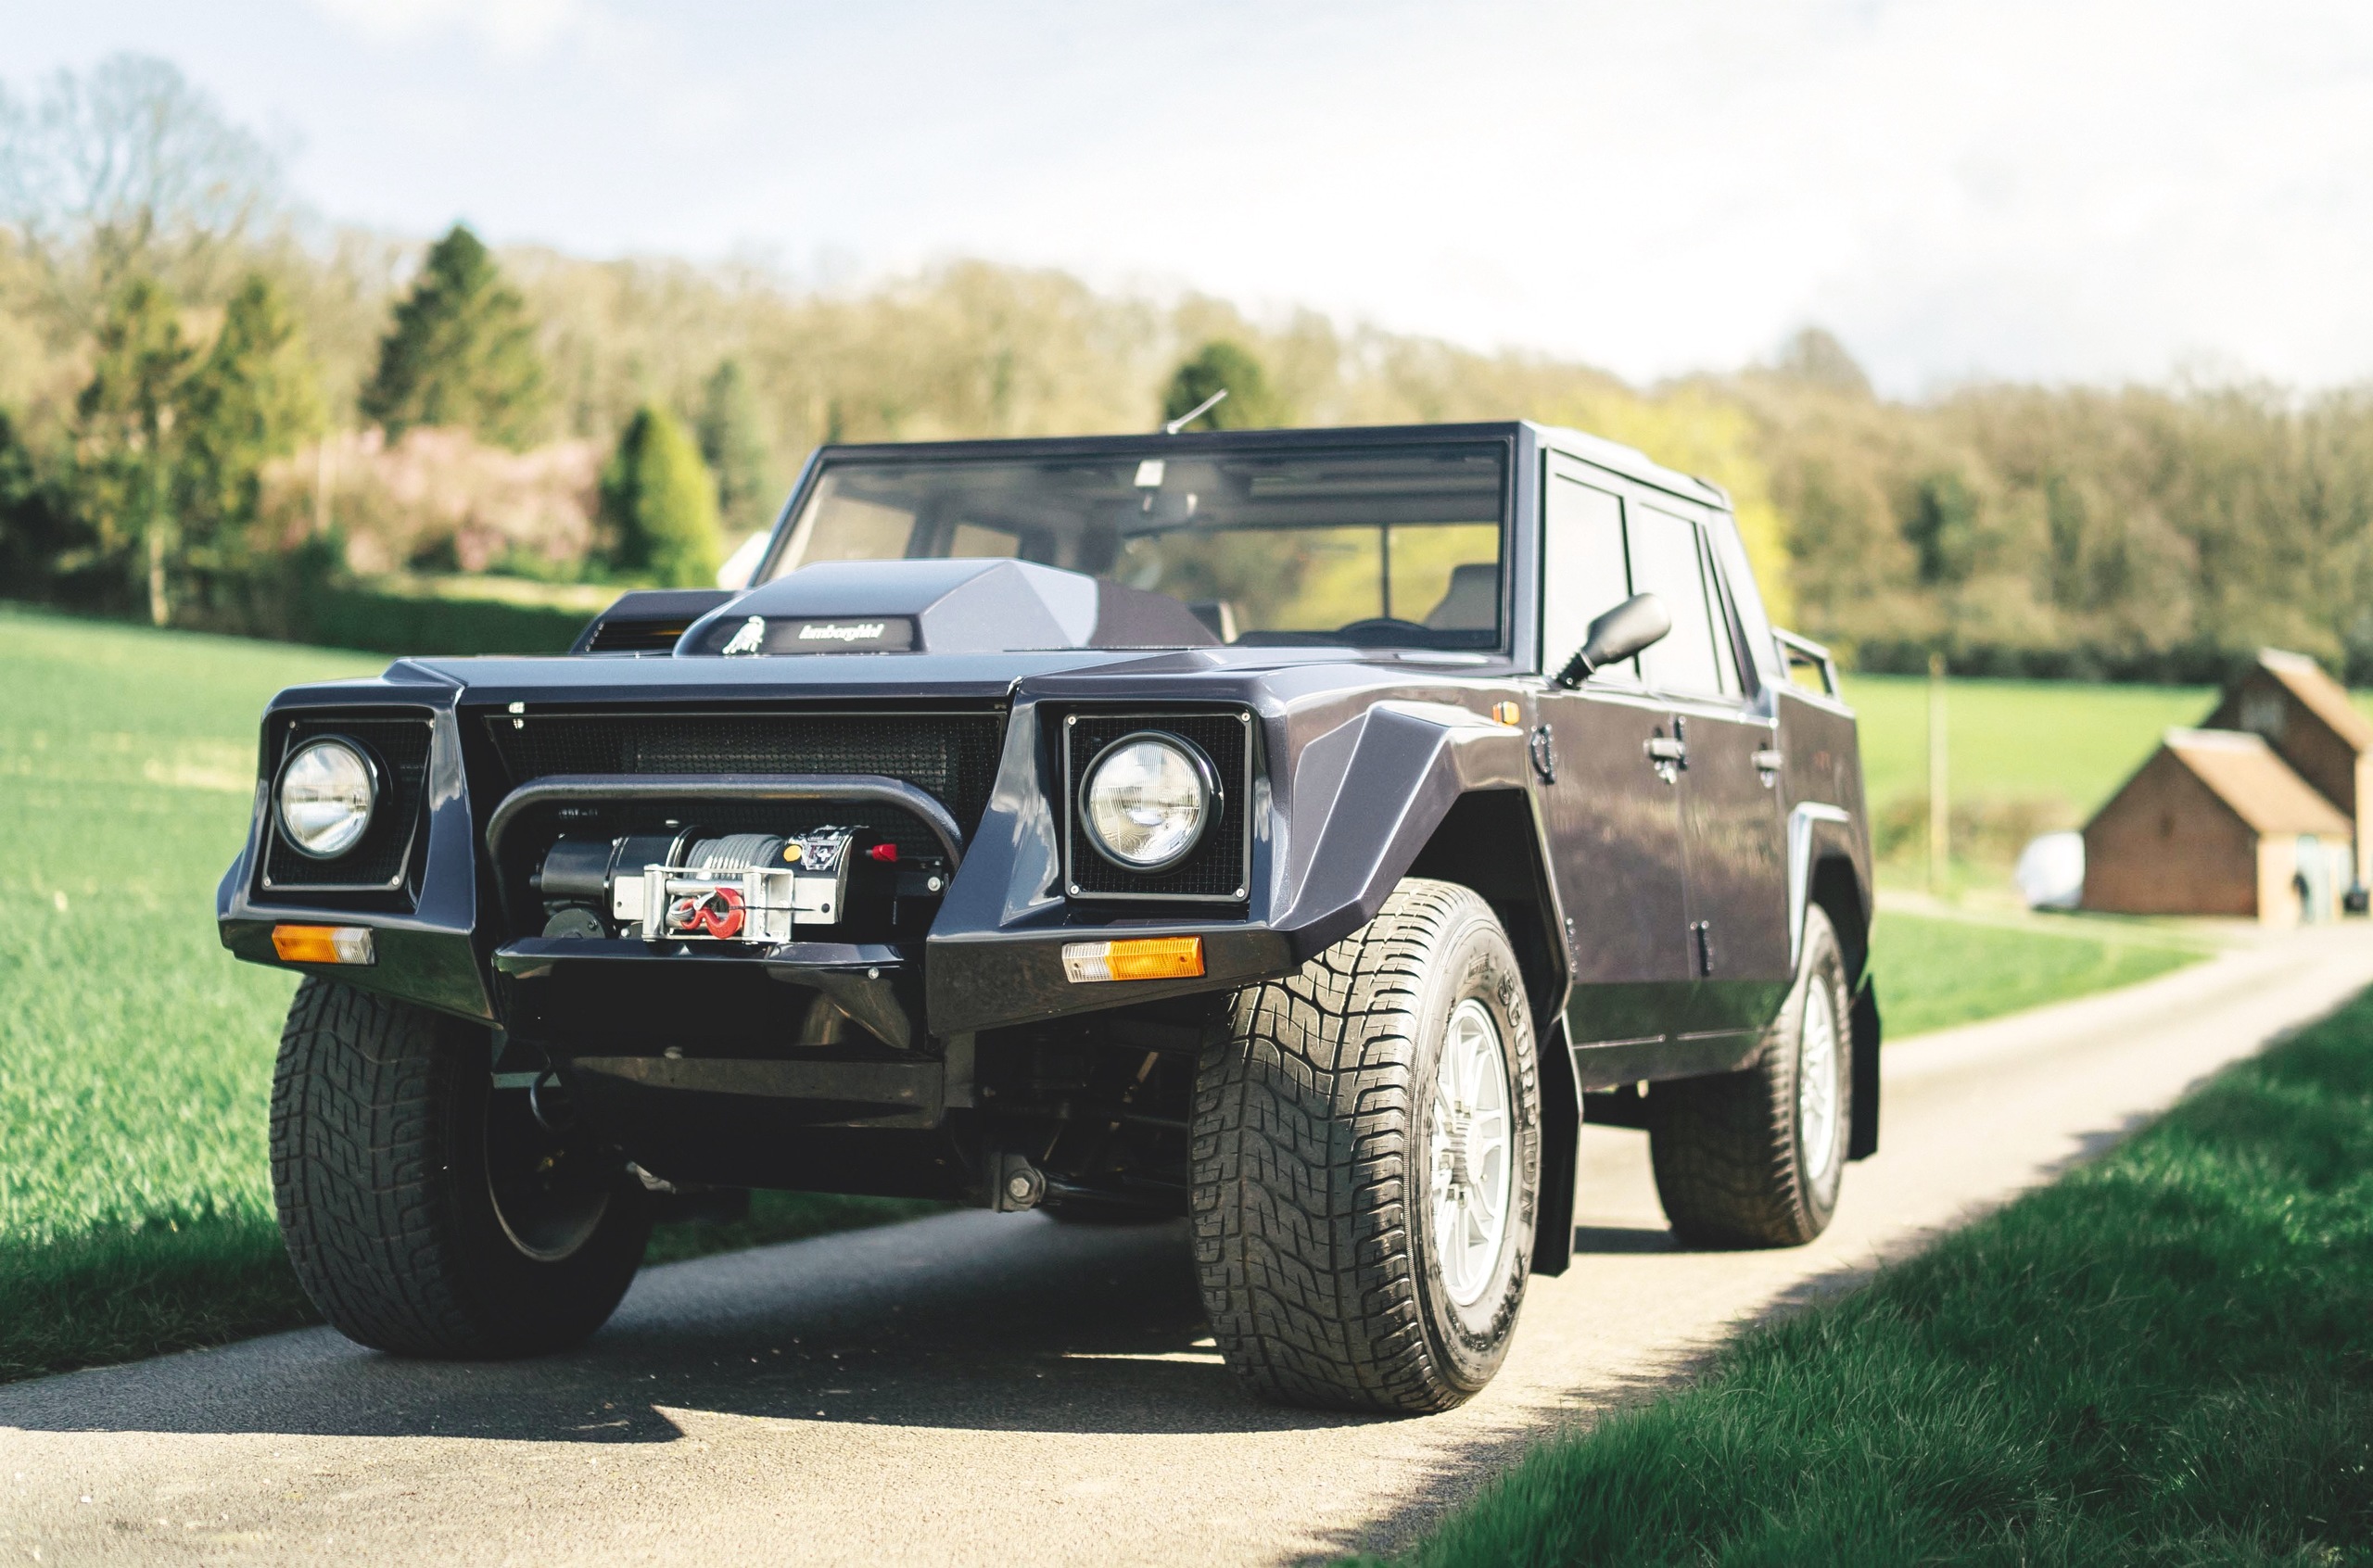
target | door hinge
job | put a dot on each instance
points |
(1702, 932)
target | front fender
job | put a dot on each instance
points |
(1366, 797)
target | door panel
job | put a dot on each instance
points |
(1732, 844)
(1615, 829)
(1614, 818)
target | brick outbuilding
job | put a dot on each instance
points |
(2305, 716)
(2216, 823)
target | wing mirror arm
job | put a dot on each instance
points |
(1637, 623)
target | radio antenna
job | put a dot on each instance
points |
(1198, 411)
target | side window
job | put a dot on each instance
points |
(1667, 562)
(1582, 575)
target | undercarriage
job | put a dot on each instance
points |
(726, 988)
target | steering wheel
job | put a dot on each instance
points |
(1376, 624)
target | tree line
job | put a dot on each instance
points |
(187, 358)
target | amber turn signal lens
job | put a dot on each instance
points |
(1138, 958)
(323, 944)
(1506, 712)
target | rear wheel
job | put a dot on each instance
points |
(1366, 1163)
(426, 1213)
(1756, 1157)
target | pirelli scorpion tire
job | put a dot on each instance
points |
(1366, 1159)
(1755, 1158)
(427, 1214)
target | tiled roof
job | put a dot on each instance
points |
(2322, 696)
(2245, 774)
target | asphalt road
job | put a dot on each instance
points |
(992, 1389)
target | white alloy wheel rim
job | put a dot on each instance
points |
(1467, 1139)
(1816, 1081)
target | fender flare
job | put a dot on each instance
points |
(1820, 832)
(1366, 797)
(1812, 826)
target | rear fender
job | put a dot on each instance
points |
(1823, 871)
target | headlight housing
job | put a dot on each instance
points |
(1147, 798)
(328, 790)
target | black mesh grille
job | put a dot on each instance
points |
(952, 757)
(1218, 868)
(380, 861)
(629, 635)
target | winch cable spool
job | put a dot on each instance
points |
(738, 852)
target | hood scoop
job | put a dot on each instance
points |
(940, 607)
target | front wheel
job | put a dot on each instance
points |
(1366, 1163)
(426, 1213)
(1756, 1157)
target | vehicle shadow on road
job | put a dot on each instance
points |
(966, 1321)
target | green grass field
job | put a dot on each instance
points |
(1934, 973)
(135, 1055)
(2164, 1357)
(2024, 757)
(2016, 738)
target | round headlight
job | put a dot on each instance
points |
(1147, 800)
(327, 793)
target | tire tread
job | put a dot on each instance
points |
(1304, 1107)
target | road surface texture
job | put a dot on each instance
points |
(982, 1388)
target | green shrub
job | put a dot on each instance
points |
(660, 505)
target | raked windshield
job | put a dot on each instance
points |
(1392, 549)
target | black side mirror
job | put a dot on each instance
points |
(1637, 623)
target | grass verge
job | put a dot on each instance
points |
(1935, 972)
(2164, 1357)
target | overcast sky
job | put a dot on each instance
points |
(2063, 189)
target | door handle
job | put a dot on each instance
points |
(1768, 761)
(1667, 751)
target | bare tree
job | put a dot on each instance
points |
(128, 170)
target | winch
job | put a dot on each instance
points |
(685, 885)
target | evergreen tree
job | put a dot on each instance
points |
(253, 398)
(462, 352)
(1219, 364)
(126, 442)
(734, 449)
(36, 525)
(660, 504)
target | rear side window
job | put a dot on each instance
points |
(1668, 561)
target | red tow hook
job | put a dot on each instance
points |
(719, 913)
